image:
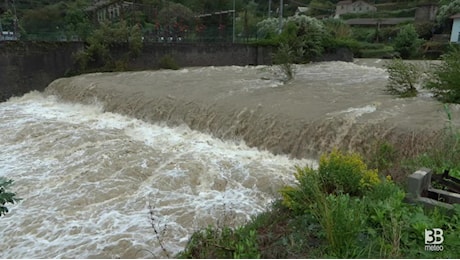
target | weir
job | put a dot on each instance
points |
(88, 176)
(329, 104)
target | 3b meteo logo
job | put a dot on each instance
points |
(433, 239)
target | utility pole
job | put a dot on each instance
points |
(269, 8)
(233, 33)
(15, 20)
(281, 16)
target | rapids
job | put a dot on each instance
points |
(87, 178)
(329, 104)
(200, 145)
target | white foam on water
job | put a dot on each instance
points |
(355, 112)
(87, 177)
(340, 73)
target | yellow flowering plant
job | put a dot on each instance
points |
(338, 173)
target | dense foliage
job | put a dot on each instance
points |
(403, 78)
(407, 42)
(6, 196)
(445, 80)
(108, 40)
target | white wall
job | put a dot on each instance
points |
(455, 31)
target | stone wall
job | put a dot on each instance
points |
(201, 54)
(26, 66)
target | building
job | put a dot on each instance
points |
(301, 10)
(455, 33)
(426, 12)
(8, 36)
(348, 6)
(102, 10)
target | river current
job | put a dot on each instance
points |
(95, 158)
(88, 179)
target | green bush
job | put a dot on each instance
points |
(337, 28)
(105, 45)
(342, 221)
(403, 77)
(338, 173)
(329, 194)
(445, 79)
(222, 243)
(305, 36)
(383, 156)
(407, 42)
(5, 196)
(268, 28)
(168, 62)
(284, 57)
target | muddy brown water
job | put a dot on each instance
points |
(200, 145)
(330, 104)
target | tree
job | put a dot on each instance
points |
(77, 23)
(7, 21)
(407, 42)
(5, 196)
(175, 19)
(445, 81)
(305, 35)
(403, 78)
(247, 20)
(267, 28)
(284, 57)
(47, 21)
(446, 10)
(108, 40)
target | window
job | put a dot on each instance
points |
(458, 40)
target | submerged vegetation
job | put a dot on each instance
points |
(445, 80)
(403, 78)
(6, 197)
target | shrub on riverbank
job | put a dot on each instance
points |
(327, 216)
(445, 80)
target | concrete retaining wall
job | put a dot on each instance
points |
(27, 66)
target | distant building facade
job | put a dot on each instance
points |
(455, 33)
(102, 10)
(426, 12)
(348, 6)
(301, 10)
(8, 36)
